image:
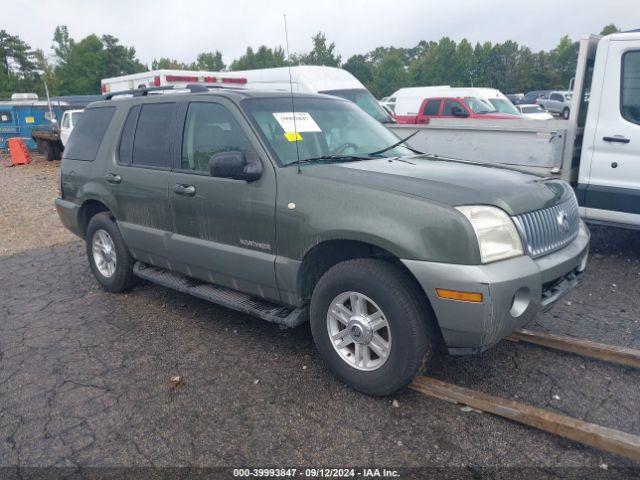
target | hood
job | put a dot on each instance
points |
(451, 182)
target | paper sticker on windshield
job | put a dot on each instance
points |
(29, 119)
(5, 118)
(293, 136)
(303, 122)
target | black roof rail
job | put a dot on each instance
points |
(144, 91)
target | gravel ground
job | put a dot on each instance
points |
(85, 375)
(27, 214)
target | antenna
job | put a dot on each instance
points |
(293, 109)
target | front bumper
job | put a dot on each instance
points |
(514, 292)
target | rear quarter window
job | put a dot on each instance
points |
(87, 136)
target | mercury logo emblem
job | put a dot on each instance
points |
(356, 331)
(563, 221)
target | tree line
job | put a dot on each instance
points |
(77, 66)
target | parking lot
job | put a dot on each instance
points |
(85, 375)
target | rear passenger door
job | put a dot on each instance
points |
(430, 109)
(139, 177)
(224, 228)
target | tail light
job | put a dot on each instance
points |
(104, 89)
(156, 81)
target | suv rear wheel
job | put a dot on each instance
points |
(565, 113)
(109, 259)
(372, 325)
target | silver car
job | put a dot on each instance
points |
(557, 102)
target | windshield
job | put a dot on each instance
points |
(479, 106)
(503, 106)
(325, 127)
(365, 101)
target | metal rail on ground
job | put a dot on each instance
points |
(609, 353)
(597, 436)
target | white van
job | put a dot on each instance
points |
(407, 101)
(314, 79)
(304, 79)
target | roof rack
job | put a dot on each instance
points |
(192, 87)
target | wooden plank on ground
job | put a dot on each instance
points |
(603, 438)
(587, 348)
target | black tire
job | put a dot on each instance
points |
(57, 151)
(48, 151)
(565, 113)
(410, 318)
(122, 278)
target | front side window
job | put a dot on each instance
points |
(630, 91)
(449, 106)
(432, 107)
(152, 136)
(86, 138)
(209, 129)
(325, 126)
(65, 121)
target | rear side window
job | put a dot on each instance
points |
(630, 92)
(151, 141)
(126, 140)
(86, 137)
(432, 107)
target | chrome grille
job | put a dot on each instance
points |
(549, 229)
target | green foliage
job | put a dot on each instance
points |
(80, 64)
(321, 54)
(360, 67)
(609, 29)
(211, 61)
(83, 64)
(389, 76)
(264, 58)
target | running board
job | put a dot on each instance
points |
(226, 297)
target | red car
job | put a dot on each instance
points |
(454, 107)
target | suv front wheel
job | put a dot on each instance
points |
(109, 259)
(372, 325)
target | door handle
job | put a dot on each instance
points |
(113, 178)
(616, 139)
(188, 190)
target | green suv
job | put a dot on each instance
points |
(304, 208)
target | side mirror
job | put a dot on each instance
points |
(233, 164)
(459, 112)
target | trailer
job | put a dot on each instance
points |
(36, 121)
(597, 149)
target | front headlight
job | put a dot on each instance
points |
(497, 235)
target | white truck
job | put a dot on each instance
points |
(300, 79)
(597, 150)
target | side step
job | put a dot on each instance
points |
(223, 296)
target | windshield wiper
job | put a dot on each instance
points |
(397, 144)
(332, 158)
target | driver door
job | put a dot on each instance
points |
(224, 229)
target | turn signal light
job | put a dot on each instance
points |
(475, 297)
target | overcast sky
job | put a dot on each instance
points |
(182, 29)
